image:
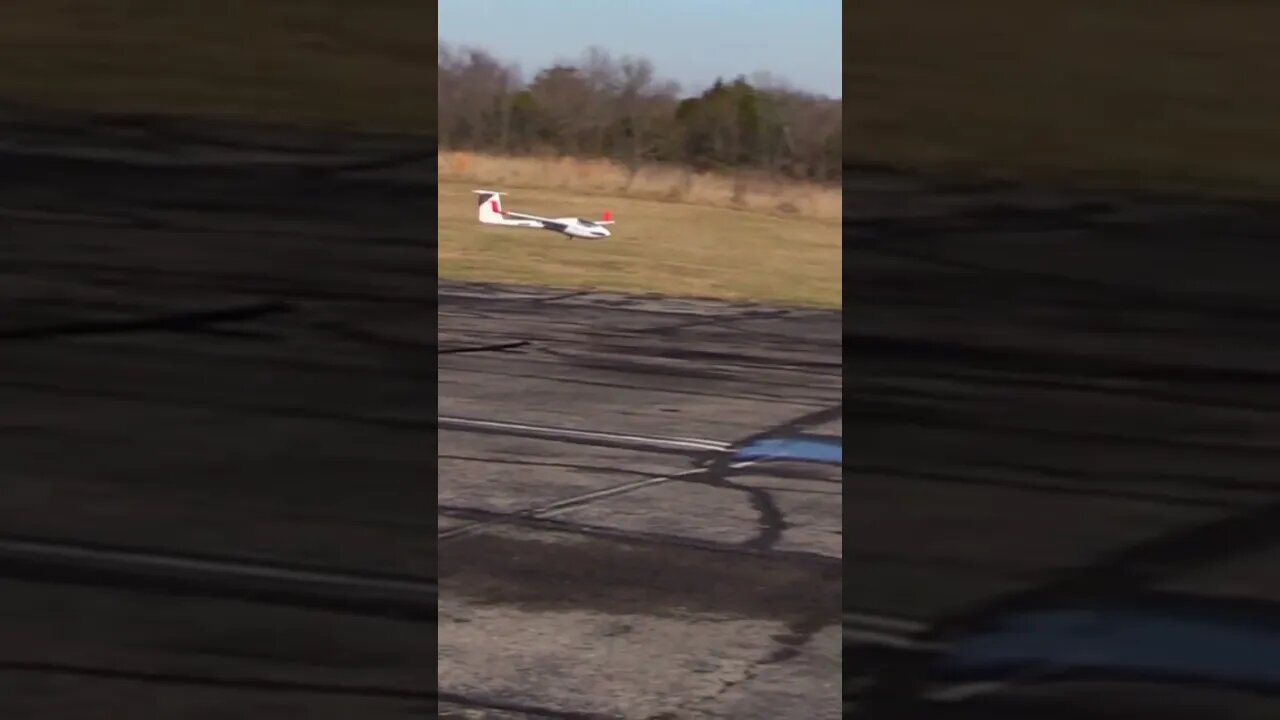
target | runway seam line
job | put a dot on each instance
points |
(574, 434)
(235, 683)
(636, 537)
(82, 564)
(566, 504)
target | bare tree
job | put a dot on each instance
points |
(600, 74)
(602, 107)
(561, 93)
(475, 95)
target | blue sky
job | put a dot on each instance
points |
(690, 41)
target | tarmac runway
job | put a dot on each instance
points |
(1062, 483)
(215, 382)
(640, 505)
(1063, 415)
(219, 478)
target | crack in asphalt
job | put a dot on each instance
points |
(180, 322)
(204, 680)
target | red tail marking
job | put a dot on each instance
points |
(496, 208)
(608, 216)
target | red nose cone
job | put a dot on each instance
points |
(608, 216)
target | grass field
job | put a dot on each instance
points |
(370, 66)
(1156, 94)
(1162, 94)
(664, 247)
(654, 182)
(328, 63)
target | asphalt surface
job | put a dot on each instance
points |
(602, 551)
(1056, 401)
(216, 409)
(212, 350)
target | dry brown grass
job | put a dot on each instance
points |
(326, 63)
(676, 249)
(1160, 94)
(653, 182)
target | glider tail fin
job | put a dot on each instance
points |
(489, 205)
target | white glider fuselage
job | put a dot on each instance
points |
(491, 213)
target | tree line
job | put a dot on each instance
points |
(620, 109)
